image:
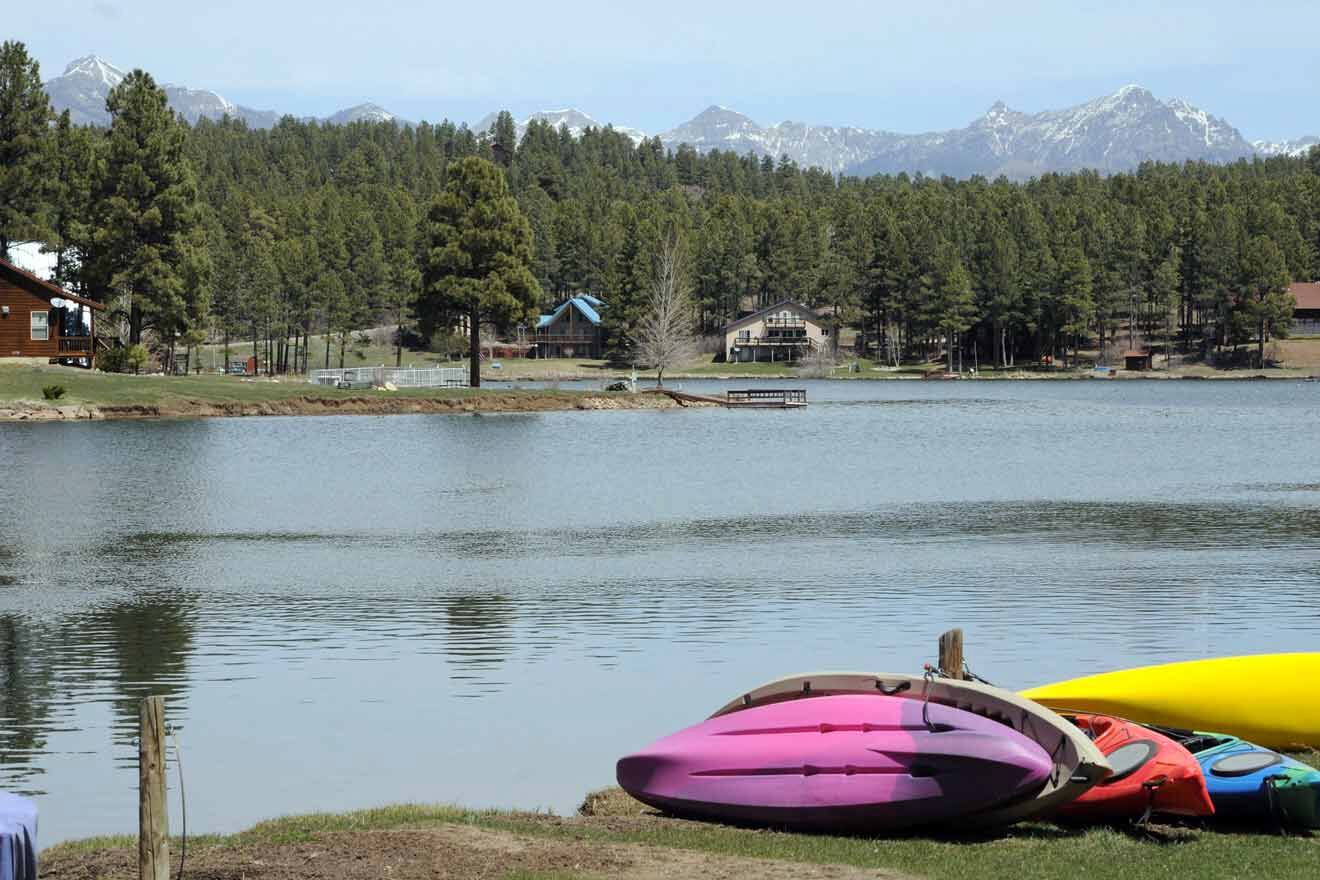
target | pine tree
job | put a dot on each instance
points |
(148, 234)
(1266, 304)
(953, 302)
(24, 116)
(71, 180)
(504, 138)
(477, 257)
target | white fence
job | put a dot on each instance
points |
(399, 377)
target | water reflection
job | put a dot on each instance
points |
(25, 693)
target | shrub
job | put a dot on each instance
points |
(52, 392)
(123, 359)
(112, 360)
(136, 357)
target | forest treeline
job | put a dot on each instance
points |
(275, 235)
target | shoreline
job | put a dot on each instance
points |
(90, 396)
(613, 836)
(480, 401)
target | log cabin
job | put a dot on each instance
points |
(42, 320)
(573, 329)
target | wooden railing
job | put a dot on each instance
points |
(75, 344)
(567, 338)
(785, 322)
(783, 396)
(775, 340)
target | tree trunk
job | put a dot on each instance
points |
(398, 346)
(134, 324)
(1260, 346)
(327, 348)
(474, 349)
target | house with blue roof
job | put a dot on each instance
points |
(573, 329)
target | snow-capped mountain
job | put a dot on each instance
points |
(85, 83)
(575, 120)
(1113, 133)
(835, 149)
(367, 112)
(82, 89)
(1299, 147)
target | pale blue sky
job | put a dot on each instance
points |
(909, 66)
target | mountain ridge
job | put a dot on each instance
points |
(1112, 133)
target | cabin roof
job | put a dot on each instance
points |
(1307, 294)
(42, 288)
(584, 303)
(755, 316)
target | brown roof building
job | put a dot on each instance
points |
(43, 320)
(1306, 314)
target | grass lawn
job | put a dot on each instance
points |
(94, 388)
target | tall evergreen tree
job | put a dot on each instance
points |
(71, 176)
(148, 233)
(477, 257)
(1266, 304)
(24, 117)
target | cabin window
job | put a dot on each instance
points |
(744, 335)
(40, 326)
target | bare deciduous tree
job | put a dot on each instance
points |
(664, 337)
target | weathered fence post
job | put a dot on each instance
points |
(153, 816)
(951, 653)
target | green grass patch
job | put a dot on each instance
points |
(1028, 851)
(91, 388)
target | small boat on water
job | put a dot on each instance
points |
(1271, 699)
(1077, 764)
(1152, 773)
(847, 762)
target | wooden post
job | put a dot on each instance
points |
(153, 817)
(951, 653)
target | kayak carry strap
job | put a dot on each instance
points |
(1151, 786)
(925, 697)
(1276, 807)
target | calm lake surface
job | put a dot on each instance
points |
(349, 611)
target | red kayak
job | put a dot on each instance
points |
(1151, 773)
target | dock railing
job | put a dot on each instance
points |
(770, 396)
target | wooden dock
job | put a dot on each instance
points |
(778, 398)
(768, 398)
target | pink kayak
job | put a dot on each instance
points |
(853, 762)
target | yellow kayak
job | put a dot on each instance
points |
(1272, 700)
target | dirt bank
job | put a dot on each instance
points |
(449, 851)
(375, 404)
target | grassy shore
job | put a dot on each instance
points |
(89, 394)
(616, 837)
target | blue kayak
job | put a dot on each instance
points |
(1254, 784)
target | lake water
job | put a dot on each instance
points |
(349, 611)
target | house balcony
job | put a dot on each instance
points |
(786, 323)
(781, 341)
(567, 338)
(75, 345)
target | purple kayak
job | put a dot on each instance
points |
(853, 762)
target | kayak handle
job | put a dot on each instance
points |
(890, 691)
